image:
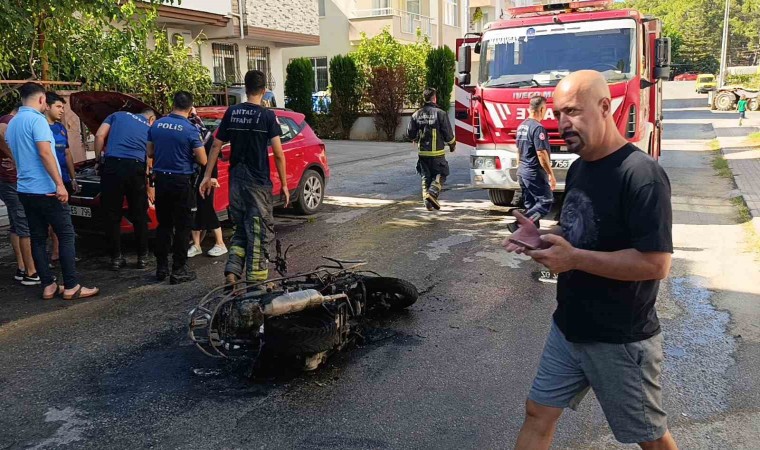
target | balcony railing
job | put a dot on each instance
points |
(410, 21)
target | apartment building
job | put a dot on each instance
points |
(342, 22)
(239, 35)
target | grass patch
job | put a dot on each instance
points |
(742, 211)
(754, 139)
(720, 164)
(714, 145)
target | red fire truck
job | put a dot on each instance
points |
(527, 54)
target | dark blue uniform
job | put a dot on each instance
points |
(124, 175)
(249, 128)
(174, 138)
(534, 181)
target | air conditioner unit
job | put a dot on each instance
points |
(175, 34)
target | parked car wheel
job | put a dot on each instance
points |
(501, 197)
(311, 193)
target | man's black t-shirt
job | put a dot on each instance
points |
(248, 128)
(531, 138)
(619, 202)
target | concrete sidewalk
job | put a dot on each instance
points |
(743, 157)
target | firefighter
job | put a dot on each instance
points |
(124, 173)
(431, 130)
(175, 145)
(534, 171)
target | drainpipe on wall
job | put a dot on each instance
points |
(241, 17)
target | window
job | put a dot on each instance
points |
(289, 129)
(451, 13)
(319, 66)
(258, 59)
(225, 63)
(321, 7)
(381, 7)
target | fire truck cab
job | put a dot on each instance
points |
(527, 54)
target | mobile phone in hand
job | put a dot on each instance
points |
(523, 244)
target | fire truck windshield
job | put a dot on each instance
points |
(543, 55)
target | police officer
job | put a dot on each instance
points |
(124, 173)
(534, 171)
(431, 129)
(175, 145)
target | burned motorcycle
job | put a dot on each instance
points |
(303, 318)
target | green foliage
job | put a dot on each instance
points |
(384, 50)
(386, 94)
(696, 26)
(299, 84)
(746, 81)
(440, 64)
(345, 94)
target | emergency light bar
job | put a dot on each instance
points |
(540, 6)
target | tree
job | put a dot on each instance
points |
(36, 33)
(440, 74)
(387, 88)
(299, 85)
(384, 50)
(345, 95)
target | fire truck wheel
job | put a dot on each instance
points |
(394, 293)
(725, 101)
(306, 332)
(501, 197)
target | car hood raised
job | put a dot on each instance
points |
(94, 106)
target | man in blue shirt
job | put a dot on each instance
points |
(124, 173)
(175, 146)
(534, 172)
(42, 192)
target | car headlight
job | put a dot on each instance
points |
(486, 162)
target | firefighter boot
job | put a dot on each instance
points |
(434, 191)
(428, 204)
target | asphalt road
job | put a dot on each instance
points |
(452, 372)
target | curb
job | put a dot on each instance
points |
(755, 216)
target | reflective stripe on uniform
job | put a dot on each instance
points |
(433, 153)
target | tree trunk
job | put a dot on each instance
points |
(44, 62)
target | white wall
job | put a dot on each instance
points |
(222, 7)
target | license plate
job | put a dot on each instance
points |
(561, 163)
(548, 277)
(81, 211)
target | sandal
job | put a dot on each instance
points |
(78, 294)
(58, 291)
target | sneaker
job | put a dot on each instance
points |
(31, 280)
(20, 274)
(182, 276)
(217, 250)
(118, 263)
(194, 251)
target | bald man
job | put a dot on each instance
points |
(611, 248)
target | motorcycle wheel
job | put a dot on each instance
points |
(301, 333)
(395, 293)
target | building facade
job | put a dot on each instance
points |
(342, 22)
(233, 36)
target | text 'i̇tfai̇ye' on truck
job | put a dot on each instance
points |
(527, 54)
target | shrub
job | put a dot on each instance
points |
(299, 84)
(386, 94)
(440, 64)
(345, 95)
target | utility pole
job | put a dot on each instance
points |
(724, 48)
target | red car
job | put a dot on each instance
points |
(686, 76)
(306, 160)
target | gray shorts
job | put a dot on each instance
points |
(16, 214)
(625, 379)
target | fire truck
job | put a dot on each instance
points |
(527, 54)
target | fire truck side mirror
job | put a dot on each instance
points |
(464, 65)
(662, 58)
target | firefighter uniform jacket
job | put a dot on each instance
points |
(431, 129)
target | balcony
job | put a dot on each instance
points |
(402, 25)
